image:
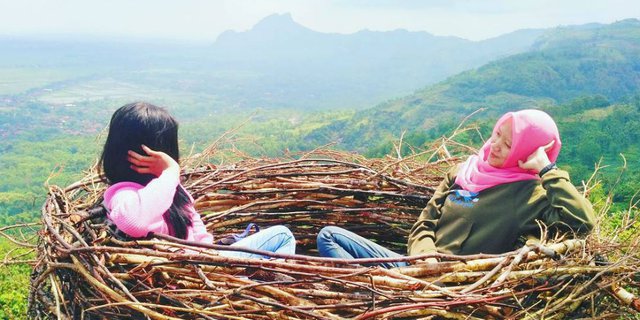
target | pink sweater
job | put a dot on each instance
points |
(137, 210)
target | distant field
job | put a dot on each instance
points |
(97, 90)
(19, 80)
(119, 92)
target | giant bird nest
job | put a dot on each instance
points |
(85, 270)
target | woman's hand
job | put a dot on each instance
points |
(154, 163)
(538, 159)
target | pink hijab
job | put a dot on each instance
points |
(531, 129)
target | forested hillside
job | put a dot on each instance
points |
(565, 64)
(587, 77)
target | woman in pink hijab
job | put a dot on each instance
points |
(521, 145)
(492, 201)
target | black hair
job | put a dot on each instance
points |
(131, 126)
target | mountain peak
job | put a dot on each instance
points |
(275, 26)
(277, 22)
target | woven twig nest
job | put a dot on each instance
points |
(85, 271)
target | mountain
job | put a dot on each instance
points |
(563, 64)
(336, 70)
(278, 63)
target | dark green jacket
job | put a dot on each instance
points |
(493, 220)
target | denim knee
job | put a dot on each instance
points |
(280, 229)
(288, 241)
(326, 234)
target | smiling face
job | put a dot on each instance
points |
(500, 145)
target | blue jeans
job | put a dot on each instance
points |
(336, 242)
(278, 239)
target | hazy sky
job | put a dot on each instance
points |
(206, 19)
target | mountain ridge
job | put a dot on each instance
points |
(375, 65)
(571, 63)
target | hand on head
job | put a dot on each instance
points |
(155, 162)
(538, 159)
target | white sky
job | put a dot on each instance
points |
(206, 19)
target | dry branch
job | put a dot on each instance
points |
(86, 270)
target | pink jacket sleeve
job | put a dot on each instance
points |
(200, 233)
(137, 209)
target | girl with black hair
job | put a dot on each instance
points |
(140, 163)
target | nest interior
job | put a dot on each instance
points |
(86, 270)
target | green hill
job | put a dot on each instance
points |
(587, 77)
(564, 64)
